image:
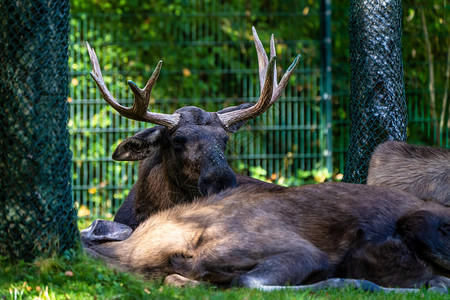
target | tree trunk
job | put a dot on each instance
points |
(37, 212)
(377, 99)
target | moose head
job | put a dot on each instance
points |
(184, 156)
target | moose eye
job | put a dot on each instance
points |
(178, 142)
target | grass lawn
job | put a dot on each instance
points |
(75, 276)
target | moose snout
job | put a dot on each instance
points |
(213, 182)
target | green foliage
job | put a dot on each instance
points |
(422, 121)
(300, 178)
(209, 61)
(75, 276)
(427, 65)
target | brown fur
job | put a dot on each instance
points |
(421, 170)
(255, 235)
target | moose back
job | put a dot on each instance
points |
(421, 170)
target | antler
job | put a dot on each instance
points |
(270, 90)
(138, 111)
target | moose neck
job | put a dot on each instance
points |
(156, 190)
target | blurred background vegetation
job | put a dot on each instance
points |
(210, 61)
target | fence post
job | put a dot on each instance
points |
(325, 24)
(377, 99)
(37, 212)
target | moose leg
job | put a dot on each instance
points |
(357, 284)
(101, 231)
(439, 284)
(305, 264)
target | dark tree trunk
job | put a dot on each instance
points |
(378, 107)
(37, 216)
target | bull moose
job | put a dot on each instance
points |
(421, 170)
(184, 156)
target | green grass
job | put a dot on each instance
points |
(75, 276)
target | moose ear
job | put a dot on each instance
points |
(236, 126)
(139, 146)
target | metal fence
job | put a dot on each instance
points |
(210, 61)
(217, 68)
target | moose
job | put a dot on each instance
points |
(184, 156)
(421, 170)
(262, 235)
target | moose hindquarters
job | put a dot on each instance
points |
(428, 234)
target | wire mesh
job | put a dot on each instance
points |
(38, 216)
(377, 104)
